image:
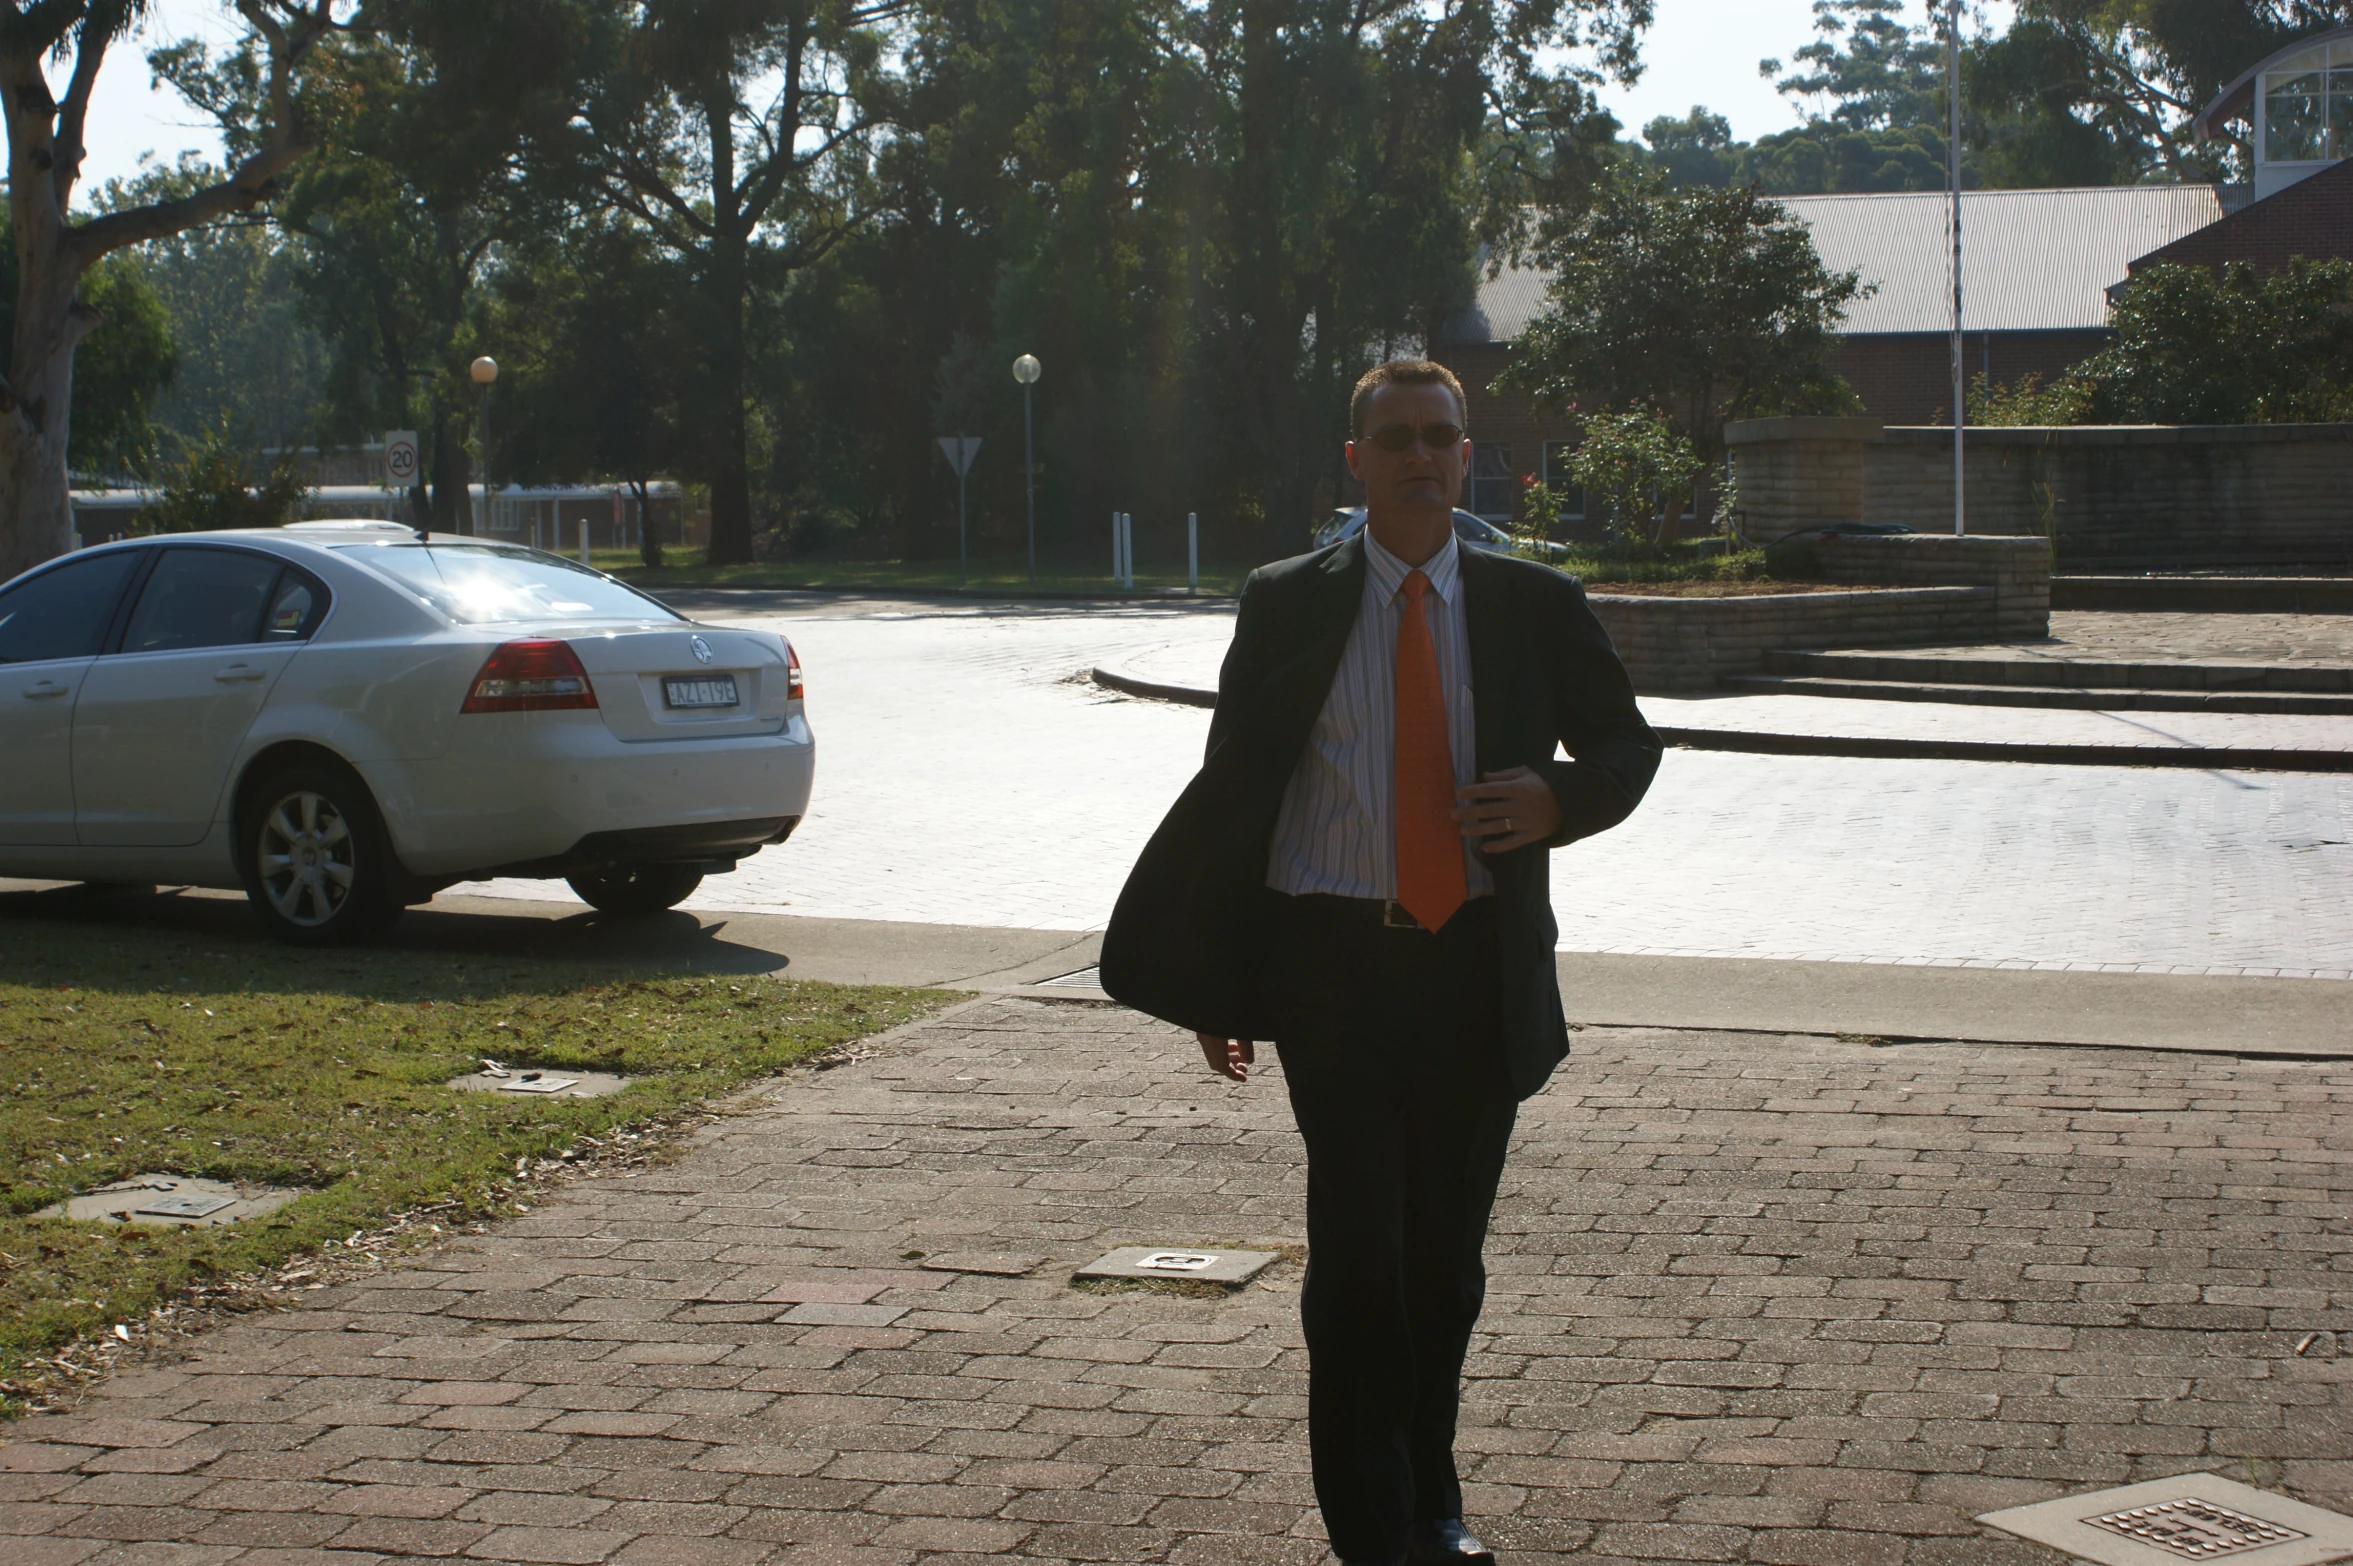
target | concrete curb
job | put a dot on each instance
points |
(2207, 759)
(982, 594)
(1894, 1003)
(2214, 758)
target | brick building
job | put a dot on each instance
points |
(2312, 218)
(2038, 267)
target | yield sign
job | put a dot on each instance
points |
(960, 450)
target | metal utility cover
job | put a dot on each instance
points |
(171, 1201)
(184, 1205)
(2189, 1517)
(538, 1084)
(1179, 1261)
(573, 1084)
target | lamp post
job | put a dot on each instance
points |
(484, 371)
(1026, 370)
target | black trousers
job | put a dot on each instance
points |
(1390, 1043)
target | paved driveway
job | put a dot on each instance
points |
(967, 775)
(1754, 1299)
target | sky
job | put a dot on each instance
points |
(1706, 52)
(1697, 52)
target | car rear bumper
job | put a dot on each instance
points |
(714, 843)
(550, 793)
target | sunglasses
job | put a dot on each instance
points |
(1397, 437)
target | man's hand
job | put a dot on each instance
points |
(1507, 810)
(1228, 1057)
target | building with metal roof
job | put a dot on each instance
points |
(2036, 269)
(2035, 261)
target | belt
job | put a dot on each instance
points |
(1386, 912)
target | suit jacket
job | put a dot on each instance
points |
(1184, 941)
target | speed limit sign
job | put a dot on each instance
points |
(400, 458)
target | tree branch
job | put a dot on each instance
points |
(292, 28)
(99, 29)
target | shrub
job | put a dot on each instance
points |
(1638, 468)
(213, 486)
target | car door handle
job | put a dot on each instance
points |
(43, 690)
(236, 672)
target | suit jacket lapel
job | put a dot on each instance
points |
(1491, 651)
(1297, 687)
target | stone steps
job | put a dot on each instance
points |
(2083, 698)
(2086, 674)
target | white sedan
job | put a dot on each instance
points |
(344, 717)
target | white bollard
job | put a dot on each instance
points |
(1127, 550)
(1192, 550)
(1115, 546)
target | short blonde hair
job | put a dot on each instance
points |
(1402, 372)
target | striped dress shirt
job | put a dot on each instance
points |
(1336, 832)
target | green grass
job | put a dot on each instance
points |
(126, 1051)
(685, 568)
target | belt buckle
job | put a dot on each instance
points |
(1395, 916)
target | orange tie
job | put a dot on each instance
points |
(1431, 882)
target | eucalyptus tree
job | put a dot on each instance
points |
(55, 250)
(1349, 146)
(418, 182)
(741, 134)
(2134, 73)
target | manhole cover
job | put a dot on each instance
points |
(1179, 1261)
(2189, 1517)
(2195, 1530)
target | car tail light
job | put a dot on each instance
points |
(792, 673)
(537, 676)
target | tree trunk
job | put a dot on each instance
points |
(34, 431)
(36, 404)
(452, 509)
(731, 487)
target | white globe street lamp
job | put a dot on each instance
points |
(1026, 370)
(484, 371)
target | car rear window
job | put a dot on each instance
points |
(477, 585)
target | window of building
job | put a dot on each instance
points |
(2308, 107)
(1493, 488)
(1557, 456)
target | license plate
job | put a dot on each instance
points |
(703, 690)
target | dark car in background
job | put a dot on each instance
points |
(1471, 531)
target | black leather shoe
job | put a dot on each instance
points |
(1447, 1541)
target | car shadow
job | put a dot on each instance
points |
(676, 941)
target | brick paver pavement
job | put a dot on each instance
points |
(1755, 1299)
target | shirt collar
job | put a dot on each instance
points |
(1389, 572)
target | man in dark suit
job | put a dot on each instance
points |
(1359, 873)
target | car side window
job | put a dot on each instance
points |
(64, 611)
(201, 598)
(297, 604)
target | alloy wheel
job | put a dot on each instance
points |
(306, 852)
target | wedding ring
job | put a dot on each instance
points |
(1507, 826)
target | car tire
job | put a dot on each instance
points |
(315, 858)
(636, 889)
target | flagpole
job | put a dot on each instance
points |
(1953, 169)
